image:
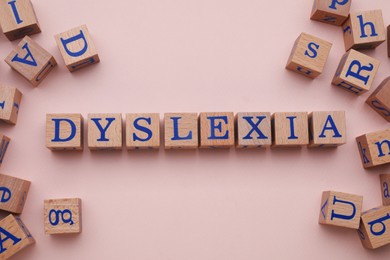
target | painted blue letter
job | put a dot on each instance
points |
(101, 129)
(214, 127)
(331, 127)
(57, 130)
(15, 11)
(6, 196)
(176, 131)
(313, 47)
(143, 129)
(25, 60)
(379, 221)
(292, 130)
(8, 235)
(80, 36)
(359, 69)
(335, 2)
(255, 127)
(363, 25)
(334, 215)
(380, 150)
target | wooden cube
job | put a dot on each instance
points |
(374, 230)
(104, 131)
(142, 131)
(340, 209)
(14, 193)
(31, 61)
(290, 129)
(374, 148)
(10, 98)
(181, 131)
(333, 12)
(385, 181)
(62, 216)
(14, 236)
(364, 30)
(379, 100)
(64, 131)
(253, 130)
(17, 19)
(356, 72)
(216, 130)
(77, 48)
(327, 128)
(309, 55)
(4, 142)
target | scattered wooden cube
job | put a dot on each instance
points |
(253, 130)
(10, 98)
(331, 11)
(327, 128)
(385, 181)
(14, 236)
(14, 193)
(374, 230)
(17, 19)
(309, 55)
(4, 142)
(290, 129)
(356, 72)
(216, 130)
(62, 216)
(379, 100)
(104, 131)
(181, 130)
(340, 209)
(364, 30)
(374, 148)
(31, 61)
(142, 131)
(64, 131)
(77, 48)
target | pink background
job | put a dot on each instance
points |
(191, 56)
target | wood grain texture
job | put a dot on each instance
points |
(216, 129)
(253, 130)
(327, 12)
(4, 143)
(385, 182)
(181, 131)
(15, 192)
(327, 128)
(379, 100)
(110, 135)
(10, 99)
(372, 223)
(142, 131)
(290, 129)
(374, 148)
(67, 125)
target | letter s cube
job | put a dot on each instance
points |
(64, 131)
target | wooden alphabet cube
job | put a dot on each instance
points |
(14, 236)
(31, 61)
(356, 72)
(253, 130)
(64, 131)
(333, 12)
(309, 55)
(17, 19)
(77, 48)
(104, 131)
(290, 129)
(10, 98)
(385, 181)
(379, 100)
(181, 131)
(14, 193)
(143, 131)
(327, 128)
(62, 216)
(364, 30)
(216, 130)
(4, 142)
(374, 148)
(340, 209)
(374, 230)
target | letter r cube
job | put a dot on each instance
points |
(64, 131)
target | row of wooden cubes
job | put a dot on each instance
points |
(190, 131)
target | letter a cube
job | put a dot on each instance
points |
(216, 130)
(17, 19)
(356, 72)
(181, 131)
(309, 55)
(290, 129)
(14, 236)
(333, 12)
(385, 181)
(10, 98)
(4, 142)
(77, 48)
(364, 30)
(31, 61)
(253, 130)
(340, 209)
(142, 131)
(14, 193)
(374, 148)
(62, 216)
(379, 100)
(374, 230)
(105, 131)
(64, 131)
(327, 128)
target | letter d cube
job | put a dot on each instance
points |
(374, 230)
(340, 209)
(64, 131)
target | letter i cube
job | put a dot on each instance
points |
(364, 30)
(327, 128)
(77, 48)
(62, 216)
(31, 61)
(253, 130)
(290, 129)
(14, 193)
(142, 131)
(105, 131)
(356, 72)
(374, 230)
(181, 130)
(340, 209)
(333, 12)
(379, 100)
(385, 181)
(4, 142)
(309, 55)
(9, 104)
(17, 19)
(216, 130)
(64, 131)
(14, 236)
(374, 148)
